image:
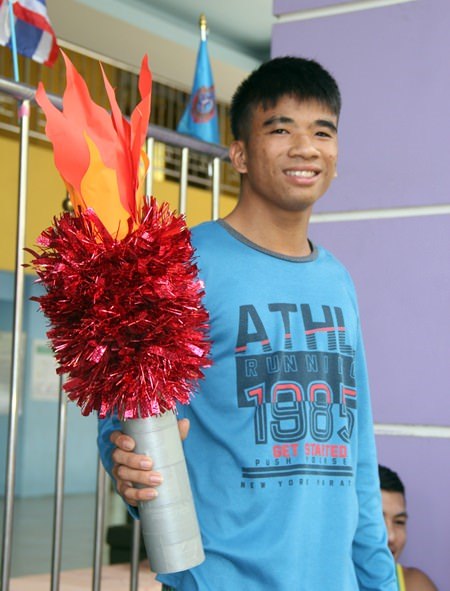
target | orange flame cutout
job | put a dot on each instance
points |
(99, 155)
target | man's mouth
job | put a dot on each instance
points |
(306, 174)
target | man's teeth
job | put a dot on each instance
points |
(302, 173)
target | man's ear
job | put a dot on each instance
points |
(238, 156)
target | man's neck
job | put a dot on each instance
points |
(285, 233)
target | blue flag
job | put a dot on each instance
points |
(200, 117)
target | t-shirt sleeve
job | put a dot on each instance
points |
(374, 563)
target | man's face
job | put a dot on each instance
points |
(395, 517)
(289, 157)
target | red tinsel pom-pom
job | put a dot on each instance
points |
(127, 321)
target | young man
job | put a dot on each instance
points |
(395, 517)
(280, 451)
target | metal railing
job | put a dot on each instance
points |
(168, 105)
(216, 153)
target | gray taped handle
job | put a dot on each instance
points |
(169, 523)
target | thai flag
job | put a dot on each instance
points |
(200, 116)
(34, 34)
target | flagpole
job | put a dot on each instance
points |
(16, 346)
(203, 24)
(24, 116)
(12, 26)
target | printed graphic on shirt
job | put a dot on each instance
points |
(304, 400)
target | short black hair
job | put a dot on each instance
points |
(390, 480)
(303, 79)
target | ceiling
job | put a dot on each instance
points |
(239, 30)
(242, 25)
(122, 31)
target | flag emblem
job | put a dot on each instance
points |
(203, 104)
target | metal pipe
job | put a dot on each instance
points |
(159, 133)
(24, 113)
(216, 189)
(59, 489)
(99, 527)
(135, 551)
(182, 203)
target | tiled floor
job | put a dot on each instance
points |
(33, 531)
(114, 578)
(32, 546)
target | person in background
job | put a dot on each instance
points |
(395, 517)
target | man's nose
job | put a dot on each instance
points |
(390, 534)
(302, 146)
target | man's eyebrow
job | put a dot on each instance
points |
(277, 119)
(326, 123)
(282, 119)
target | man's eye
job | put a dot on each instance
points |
(324, 134)
(279, 131)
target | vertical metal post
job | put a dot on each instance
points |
(216, 188)
(59, 489)
(99, 527)
(182, 203)
(150, 146)
(135, 549)
(24, 114)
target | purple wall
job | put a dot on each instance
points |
(392, 66)
(404, 303)
(393, 69)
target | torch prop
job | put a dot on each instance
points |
(123, 300)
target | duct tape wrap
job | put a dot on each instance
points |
(169, 522)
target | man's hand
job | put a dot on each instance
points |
(131, 469)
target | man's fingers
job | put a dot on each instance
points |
(122, 441)
(133, 495)
(132, 460)
(137, 477)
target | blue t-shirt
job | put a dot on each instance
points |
(281, 451)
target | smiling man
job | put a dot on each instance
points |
(286, 164)
(281, 450)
